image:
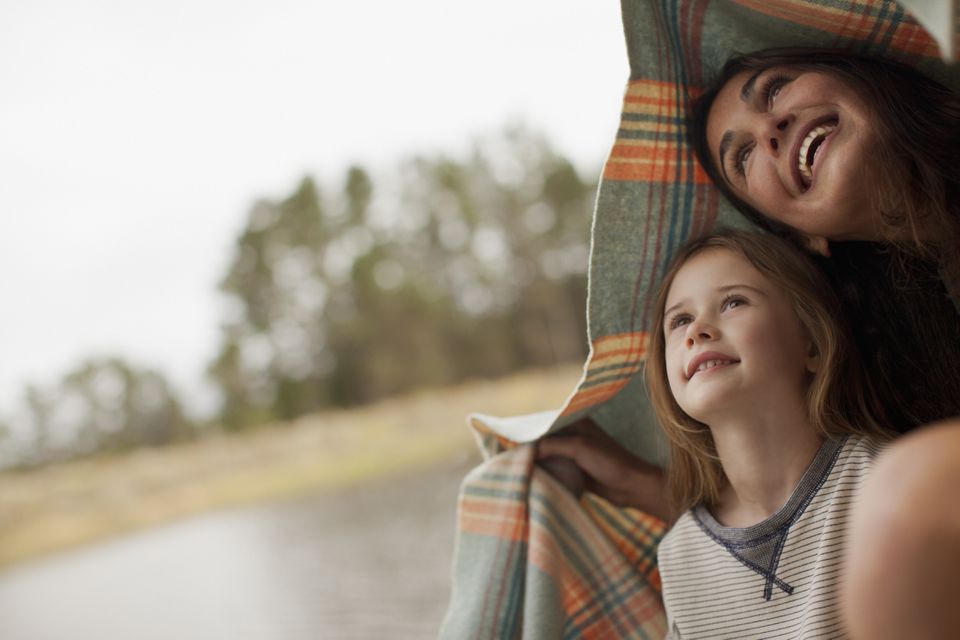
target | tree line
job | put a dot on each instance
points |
(442, 269)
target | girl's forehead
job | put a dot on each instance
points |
(711, 268)
(716, 259)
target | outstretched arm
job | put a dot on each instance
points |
(605, 468)
(900, 578)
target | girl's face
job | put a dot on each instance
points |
(797, 146)
(733, 341)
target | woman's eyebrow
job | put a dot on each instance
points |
(725, 142)
(746, 92)
(746, 95)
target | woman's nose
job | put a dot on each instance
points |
(777, 126)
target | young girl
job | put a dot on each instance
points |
(772, 428)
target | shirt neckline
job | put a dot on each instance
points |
(806, 488)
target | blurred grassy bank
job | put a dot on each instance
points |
(67, 505)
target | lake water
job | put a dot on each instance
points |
(369, 563)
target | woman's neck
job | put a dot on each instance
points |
(763, 461)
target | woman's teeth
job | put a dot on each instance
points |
(809, 149)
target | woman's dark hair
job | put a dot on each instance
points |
(898, 294)
(906, 329)
(917, 198)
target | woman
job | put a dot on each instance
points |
(856, 158)
(834, 146)
(830, 148)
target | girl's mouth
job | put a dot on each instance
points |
(812, 143)
(708, 361)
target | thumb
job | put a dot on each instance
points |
(566, 472)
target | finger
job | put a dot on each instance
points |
(567, 472)
(559, 446)
(582, 427)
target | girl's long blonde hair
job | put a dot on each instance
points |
(840, 399)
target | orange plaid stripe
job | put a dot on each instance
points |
(613, 361)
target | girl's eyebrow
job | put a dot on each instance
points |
(673, 308)
(722, 289)
(742, 286)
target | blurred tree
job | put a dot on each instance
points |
(450, 268)
(268, 365)
(8, 450)
(117, 406)
(506, 237)
(39, 409)
(105, 404)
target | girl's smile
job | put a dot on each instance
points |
(708, 361)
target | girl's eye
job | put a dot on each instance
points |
(678, 320)
(732, 302)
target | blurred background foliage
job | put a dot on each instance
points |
(442, 269)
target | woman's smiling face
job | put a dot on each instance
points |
(797, 145)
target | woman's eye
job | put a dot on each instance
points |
(774, 92)
(678, 321)
(740, 159)
(772, 87)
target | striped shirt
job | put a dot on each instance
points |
(775, 579)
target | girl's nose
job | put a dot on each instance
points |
(700, 331)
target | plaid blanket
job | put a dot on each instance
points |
(531, 561)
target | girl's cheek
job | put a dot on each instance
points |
(672, 369)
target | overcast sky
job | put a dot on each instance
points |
(134, 136)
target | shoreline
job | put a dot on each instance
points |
(68, 505)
